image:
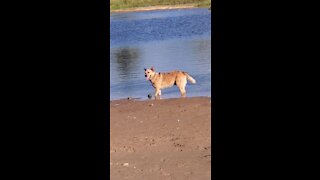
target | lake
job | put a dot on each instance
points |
(166, 39)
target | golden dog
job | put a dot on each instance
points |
(165, 80)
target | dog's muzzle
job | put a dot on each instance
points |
(145, 75)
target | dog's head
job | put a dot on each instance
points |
(148, 73)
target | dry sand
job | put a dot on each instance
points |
(160, 139)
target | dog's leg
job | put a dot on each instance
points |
(182, 87)
(183, 91)
(157, 94)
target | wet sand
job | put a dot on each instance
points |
(150, 8)
(160, 139)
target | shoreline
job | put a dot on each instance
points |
(150, 100)
(152, 8)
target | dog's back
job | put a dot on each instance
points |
(169, 78)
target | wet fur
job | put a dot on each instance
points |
(165, 80)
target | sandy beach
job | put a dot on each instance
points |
(160, 139)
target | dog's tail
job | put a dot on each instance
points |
(193, 81)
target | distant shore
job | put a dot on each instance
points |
(161, 7)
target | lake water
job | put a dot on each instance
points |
(166, 39)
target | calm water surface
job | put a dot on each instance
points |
(167, 40)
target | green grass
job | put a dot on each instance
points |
(124, 4)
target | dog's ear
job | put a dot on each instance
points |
(152, 68)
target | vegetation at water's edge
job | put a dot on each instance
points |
(124, 4)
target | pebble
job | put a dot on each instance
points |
(126, 164)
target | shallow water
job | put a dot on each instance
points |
(165, 39)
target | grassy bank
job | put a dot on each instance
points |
(126, 4)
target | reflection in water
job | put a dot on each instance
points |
(126, 58)
(124, 63)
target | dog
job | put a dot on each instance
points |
(165, 80)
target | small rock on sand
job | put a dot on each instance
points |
(125, 164)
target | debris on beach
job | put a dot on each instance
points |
(133, 98)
